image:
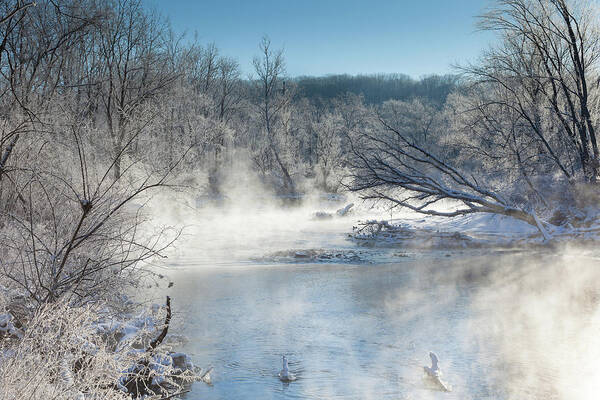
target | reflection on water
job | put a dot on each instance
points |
(500, 329)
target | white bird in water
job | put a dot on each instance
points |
(434, 370)
(285, 375)
(435, 374)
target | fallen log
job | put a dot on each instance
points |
(163, 333)
(140, 379)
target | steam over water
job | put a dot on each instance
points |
(504, 324)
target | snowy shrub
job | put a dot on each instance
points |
(59, 357)
(66, 352)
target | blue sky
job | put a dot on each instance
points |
(338, 36)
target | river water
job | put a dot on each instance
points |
(521, 324)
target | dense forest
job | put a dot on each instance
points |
(377, 89)
(102, 104)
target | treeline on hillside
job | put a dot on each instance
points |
(378, 88)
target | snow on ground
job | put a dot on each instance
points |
(482, 224)
(413, 230)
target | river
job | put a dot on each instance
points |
(504, 324)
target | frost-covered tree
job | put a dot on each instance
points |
(132, 69)
(273, 107)
(544, 73)
(329, 154)
(523, 123)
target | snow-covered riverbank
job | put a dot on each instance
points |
(90, 352)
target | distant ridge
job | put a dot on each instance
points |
(377, 88)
